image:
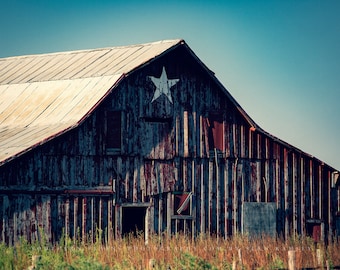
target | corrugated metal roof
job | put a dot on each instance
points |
(44, 95)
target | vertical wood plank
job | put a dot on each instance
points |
(193, 198)
(250, 142)
(242, 142)
(269, 184)
(201, 139)
(286, 193)
(234, 140)
(210, 196)
(109, 221)
(100, 214)
(195, 135)
(153, 180)
(226, 198)
(311, 186)
(67, 217)
(294, 195)
(227, 139)
(169, 212)
(203, 204)
(303, 196)
(75, 218)
(320, 193)
(15, 226)
(185, 174)
(218, 194)
(258, 182)
(150, 215)
(177, 137)
(84, 216)
(185, 134)
(235, 197)
(299, 181)
(160, 215)
(127, 178)
(277, 184)
(258, 146)
(94, 225)
(135, 179)
(142, 183)
(119, 221)
(240, 195)
(47, 216)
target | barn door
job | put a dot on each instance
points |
(133, 219)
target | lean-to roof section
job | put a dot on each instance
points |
(42, 110)
(42, 96)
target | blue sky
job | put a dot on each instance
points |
(279, 59)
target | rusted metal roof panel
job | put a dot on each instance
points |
(34, 112)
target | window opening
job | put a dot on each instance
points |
(182, 203)
(215, 131)
(113, 130)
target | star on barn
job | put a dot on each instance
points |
(163, 85)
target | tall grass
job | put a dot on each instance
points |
(164, 252)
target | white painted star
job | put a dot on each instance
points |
(163, 85)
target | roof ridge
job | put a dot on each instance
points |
(92, 50)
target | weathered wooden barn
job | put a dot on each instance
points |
(144, 137)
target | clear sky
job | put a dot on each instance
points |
(279, 59)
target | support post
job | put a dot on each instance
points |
(291, 260)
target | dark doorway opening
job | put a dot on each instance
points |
(314, 230)
(133, 220)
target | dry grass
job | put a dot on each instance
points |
(176, 252)
(181, 251)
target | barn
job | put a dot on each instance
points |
(144, 138)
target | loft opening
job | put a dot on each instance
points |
(215, 127)
(113, 131)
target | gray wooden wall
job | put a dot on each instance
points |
(200, 143)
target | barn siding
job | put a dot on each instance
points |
(199, 144)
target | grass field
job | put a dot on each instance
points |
(176, 252)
